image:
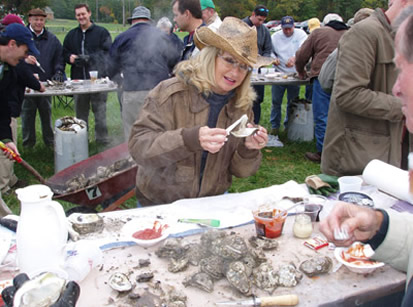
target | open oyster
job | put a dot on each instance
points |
(120, 282)
(41, 290)
(243, 131)
(86, 223)
(316, 266)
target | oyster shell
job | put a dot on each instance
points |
(194, 253)
(201, 281)
(231, 247)
(265, 277)
(76, 183)
(263, 242)
(120, 282)
(288, 276)
(238, 278)
(86, 223)
(212, 266)
(177, 265)
(171, 248)
(41, 290)
(316, 266)
(144, 277)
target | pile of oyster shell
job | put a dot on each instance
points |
(70, 123)
(102, 172)
(221, 255)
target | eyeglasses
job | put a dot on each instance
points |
(235, 64)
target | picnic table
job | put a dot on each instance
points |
(339, 287)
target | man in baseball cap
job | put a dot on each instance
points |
(21, 35)
(11, 18)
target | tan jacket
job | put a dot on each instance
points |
(364, 119)
(164, 142)
(396, 249)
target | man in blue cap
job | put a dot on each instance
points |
(285, 44)
(15, 43)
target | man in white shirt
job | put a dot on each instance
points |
(209, 15)
(285, 43)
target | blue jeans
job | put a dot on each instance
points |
(256, 107)
(321, 103)
(277, 94)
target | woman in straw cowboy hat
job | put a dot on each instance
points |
(179, 140)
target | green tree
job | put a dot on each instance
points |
(21, 6)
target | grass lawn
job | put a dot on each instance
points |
(278, 165)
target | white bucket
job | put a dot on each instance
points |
(70, 147)
(300, 122)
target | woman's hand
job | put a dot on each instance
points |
(258, 140)
(212, 139)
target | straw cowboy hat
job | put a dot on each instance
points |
(233, 36)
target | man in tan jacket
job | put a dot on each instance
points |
(365, 120)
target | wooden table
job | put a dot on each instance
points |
(268, 76)
(75, 88)
(340, 288)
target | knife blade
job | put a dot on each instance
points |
(40, 67)
(280, 300)
(230, 128)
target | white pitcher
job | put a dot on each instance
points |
(41, 232)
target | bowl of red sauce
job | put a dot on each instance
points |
(145, 232)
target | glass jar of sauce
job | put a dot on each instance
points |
(303, 227)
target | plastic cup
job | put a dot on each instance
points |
(93, 75)
(267, 223)
(350, 183)
(81, 258)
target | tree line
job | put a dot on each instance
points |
(114, 11)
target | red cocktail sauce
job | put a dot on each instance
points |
(150, 233)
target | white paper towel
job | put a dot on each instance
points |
(389, 179)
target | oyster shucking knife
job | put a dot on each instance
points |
(280, 300)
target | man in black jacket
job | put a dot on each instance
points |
(143, 65)
(15, 43)
(86, 48)
(51, 61)
(257, 19)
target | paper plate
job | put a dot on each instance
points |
(136, 225)
(356, 268)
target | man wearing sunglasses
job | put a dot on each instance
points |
(257, 19)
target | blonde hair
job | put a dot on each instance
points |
(199, 71)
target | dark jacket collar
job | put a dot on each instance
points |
(337, 25)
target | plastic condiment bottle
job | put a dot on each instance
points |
(303, 227)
